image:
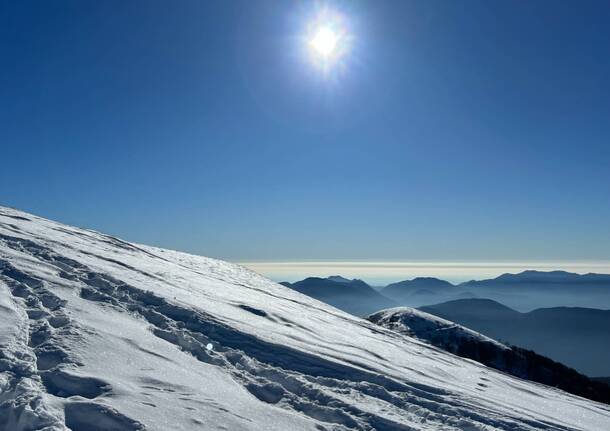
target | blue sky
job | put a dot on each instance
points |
(463, 131)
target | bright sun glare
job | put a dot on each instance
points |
(324, 41)
(328, 39)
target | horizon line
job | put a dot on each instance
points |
(384, 271)
(430, 263)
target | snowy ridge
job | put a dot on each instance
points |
(422, 325)
(100, 334)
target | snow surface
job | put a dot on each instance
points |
(425, 326)
(100, 334)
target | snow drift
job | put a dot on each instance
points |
(100, 334)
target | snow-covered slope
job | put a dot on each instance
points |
(425, 326)
(100, 334)
(470, 344)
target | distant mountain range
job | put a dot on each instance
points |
(542, 278)
(576, 336)
(524, 291)
(467, 343)
(421, 287)
(537, 289)
(354, 296)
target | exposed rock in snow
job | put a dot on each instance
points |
(100, 334)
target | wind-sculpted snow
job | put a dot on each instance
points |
(100, 334)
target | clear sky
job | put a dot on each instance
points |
(451, 130)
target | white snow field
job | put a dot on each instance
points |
(100, 334)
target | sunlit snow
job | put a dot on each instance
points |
(98, 333)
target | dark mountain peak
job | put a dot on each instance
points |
(431, 280)
(353, 282)
(332, 282)
(537, 272)
(310, 279)
(404, 289)
(354, 296)
(339, 279)
(419, 282)
(535, 277)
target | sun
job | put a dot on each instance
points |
(324, 41)
(328, 39)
